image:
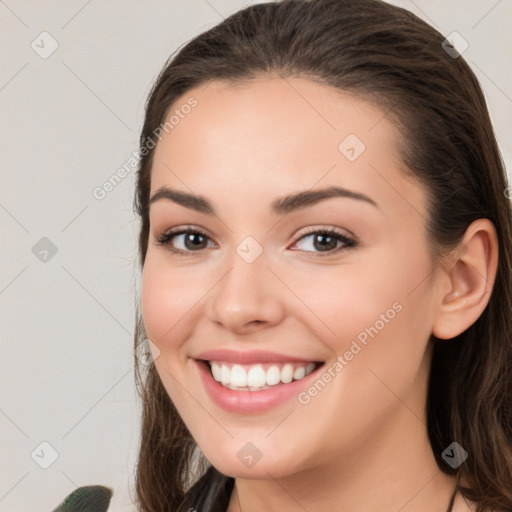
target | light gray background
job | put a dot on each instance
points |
(68, 122)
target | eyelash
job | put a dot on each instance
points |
(165, 239)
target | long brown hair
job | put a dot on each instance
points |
(388, 55)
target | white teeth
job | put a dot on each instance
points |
(273, 375)
(216, 371)
(287, 373)
(254, 377)
(225, 375)
(236, 388)
(299, 373)
(238, 376)
(251, 388)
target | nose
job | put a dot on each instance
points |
(247, 298)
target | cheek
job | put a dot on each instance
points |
(167, 303)
(167, 307)
(385, 303)
(343, 302)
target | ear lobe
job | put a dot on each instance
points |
(471, 273)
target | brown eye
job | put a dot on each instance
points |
(327, 242)
(194, 241)
(184, 241)
(324, 242)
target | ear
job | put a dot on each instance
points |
(468, 280)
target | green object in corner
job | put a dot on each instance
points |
(91, 498)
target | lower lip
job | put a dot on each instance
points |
(247, 402)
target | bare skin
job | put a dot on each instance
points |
(361, 443)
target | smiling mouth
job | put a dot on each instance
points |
(261, 376)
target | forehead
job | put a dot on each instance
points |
(279, 133)
(283, 115)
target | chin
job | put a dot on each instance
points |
(244, 460)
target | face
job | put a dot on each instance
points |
(332, 288)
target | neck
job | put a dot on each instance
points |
(408, 480)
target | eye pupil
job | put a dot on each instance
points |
(325, 241)
(193, 238)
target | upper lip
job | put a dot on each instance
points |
(249, 356)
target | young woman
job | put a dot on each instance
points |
(325, 247)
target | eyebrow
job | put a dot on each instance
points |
(280, 206)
